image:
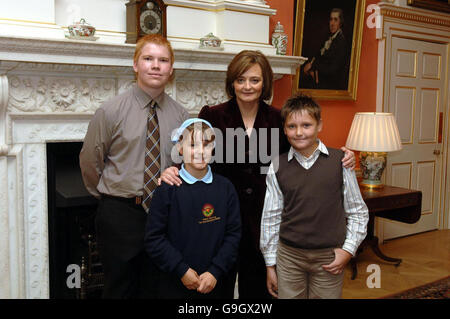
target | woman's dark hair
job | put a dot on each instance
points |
(241, 63)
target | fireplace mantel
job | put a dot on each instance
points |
(64, 51)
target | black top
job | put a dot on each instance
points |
(247, 177)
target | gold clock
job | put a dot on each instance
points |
(145, 17)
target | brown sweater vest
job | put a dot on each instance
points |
(313, 216)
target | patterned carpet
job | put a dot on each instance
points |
(439, 289)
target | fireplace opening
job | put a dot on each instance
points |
(74, 265)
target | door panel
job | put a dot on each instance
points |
(403, 110)
(428, 115)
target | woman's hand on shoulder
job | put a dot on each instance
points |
(349, 158)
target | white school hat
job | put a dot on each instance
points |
(180, 130)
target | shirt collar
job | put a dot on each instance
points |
(334, 35)
(188, 178)
(144, 99)
(320, 148)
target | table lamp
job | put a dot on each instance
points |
(373, 134)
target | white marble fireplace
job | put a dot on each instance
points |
(49, 90)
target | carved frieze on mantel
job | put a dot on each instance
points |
(73, 89)
(193, 95)
(77, 95)
(56, 94)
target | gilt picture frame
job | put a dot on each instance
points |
(333, 57)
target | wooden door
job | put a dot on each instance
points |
(416, 97)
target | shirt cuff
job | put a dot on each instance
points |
(350, 248)
(270, 259)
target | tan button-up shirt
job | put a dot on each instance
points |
(112, 157)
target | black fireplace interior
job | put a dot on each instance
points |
(71, 212)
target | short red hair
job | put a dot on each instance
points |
(156, 39)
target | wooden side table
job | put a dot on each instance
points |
(394, 203)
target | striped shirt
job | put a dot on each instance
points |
(356, 211)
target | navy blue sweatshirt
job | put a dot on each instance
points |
(194, 226)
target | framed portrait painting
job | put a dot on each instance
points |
(329, 34)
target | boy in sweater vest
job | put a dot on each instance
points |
(193, 231)
(314, 217)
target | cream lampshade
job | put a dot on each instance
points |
(373, 134)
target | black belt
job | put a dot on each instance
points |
(137, 200)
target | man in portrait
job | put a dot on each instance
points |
(328, 68)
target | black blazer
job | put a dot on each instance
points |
(246, 177)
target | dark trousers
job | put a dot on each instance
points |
(128, 271)
(251, 272)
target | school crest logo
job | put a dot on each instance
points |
(208, 210)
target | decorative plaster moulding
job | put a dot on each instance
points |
(239, 24)
(415, 17)
(64, 51)
(404, 22)
(255, 7)
(85, 52)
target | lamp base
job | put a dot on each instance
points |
(372, 166)
(370, 184)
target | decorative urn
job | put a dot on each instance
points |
(210, 41)
(279, 39)
(81, 29)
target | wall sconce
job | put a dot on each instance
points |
(373, 134)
